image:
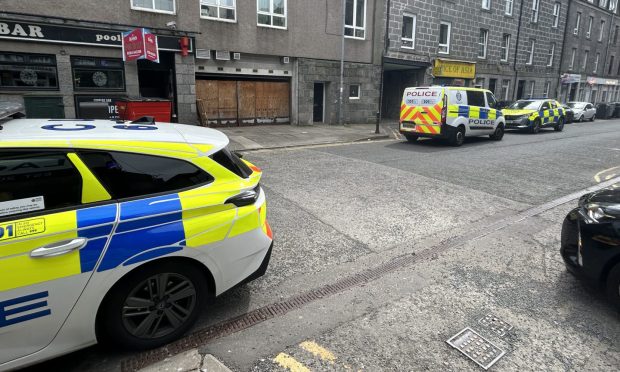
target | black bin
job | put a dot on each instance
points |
(94, 110)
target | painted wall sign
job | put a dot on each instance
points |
(49, 33)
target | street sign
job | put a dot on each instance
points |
(140, 44)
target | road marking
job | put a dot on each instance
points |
(606, 174)
(286, 361)
(318, 351)
(614, 149)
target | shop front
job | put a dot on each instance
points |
(64, 69)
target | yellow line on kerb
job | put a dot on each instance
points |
(601, 175)
(288, 362)
(318, 350)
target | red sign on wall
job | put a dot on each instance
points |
(140, 44)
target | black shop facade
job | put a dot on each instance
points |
(56, 67)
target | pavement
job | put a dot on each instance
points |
(283, 136)
(410, 243)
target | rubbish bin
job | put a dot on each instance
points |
(135, 108)
(602, 110)
(617, 110)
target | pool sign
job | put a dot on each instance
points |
(140, 44)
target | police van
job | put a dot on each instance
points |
(118, 232)
(451, 113)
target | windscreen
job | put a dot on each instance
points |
(525, 105)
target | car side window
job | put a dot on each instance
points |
(475, 98)
(37, 180)
(127, 175)
(545, 106)
(491, 100)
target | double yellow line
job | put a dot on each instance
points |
(288, 362)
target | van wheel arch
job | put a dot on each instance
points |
(181, 261)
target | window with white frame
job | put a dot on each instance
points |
(602, 30)
(444, 37)
(508, 7)
(551, 54)
(613, 6)
(530, 58)
(585, 60)
(222, 10)
(486, 4)
(598, 55)
(161, 6)
(355, 19)
(602, 3)
(616, 30)
(577, 22)
(271, 13)
(505, 89)
(483, 40)
(556, 14)
(589, 32)
(505, 49)
(572, 59)
(532, 88)
(611, 65)
(407, 39)
(535, 6)
(354, 91)
(547, 88)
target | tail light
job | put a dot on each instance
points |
(444, 109)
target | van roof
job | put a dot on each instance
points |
(451, 88)
(29, 132)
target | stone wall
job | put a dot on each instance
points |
(186, 89)
(355, 111)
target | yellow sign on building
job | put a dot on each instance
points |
(454, 69)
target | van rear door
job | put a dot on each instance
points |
(422, 107)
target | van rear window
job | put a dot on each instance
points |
(422, 97)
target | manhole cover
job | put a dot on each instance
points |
(476, 347)
(495, 324)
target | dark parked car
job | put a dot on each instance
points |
(616, 113)
(569, 114)
(604, 110)
(590, 243)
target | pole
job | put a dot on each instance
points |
(340, 99)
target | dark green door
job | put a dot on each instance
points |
(44, 107)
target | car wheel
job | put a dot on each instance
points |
(559, 126)
(593, 117)
(458, 137)
(581, 119)
(499, 133)
(613, 286)
(153, 306)
(535, 128)
(411, 137)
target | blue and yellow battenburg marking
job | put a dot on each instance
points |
(550, 116)
(473, 112)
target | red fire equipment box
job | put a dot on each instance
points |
(132, 109)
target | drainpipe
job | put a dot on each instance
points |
(340, 99)
(386, 45)
(558, 88)
(514, 65)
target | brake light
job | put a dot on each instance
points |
(444, 109)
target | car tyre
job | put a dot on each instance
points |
(457, 138)
(498, 134)
(581, 118)
(593, 117)
(535, 128)
(141, 311)
(411, 137)
(559, 126)
(613, 286)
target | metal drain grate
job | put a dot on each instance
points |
(495, 324)
(476, 347)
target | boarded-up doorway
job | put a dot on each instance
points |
(243, 102)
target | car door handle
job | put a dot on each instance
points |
(58, 248)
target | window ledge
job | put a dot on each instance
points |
(153, 10)
(354, 37)
(218, 19)
(273, 27)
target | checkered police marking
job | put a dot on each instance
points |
(475, 347)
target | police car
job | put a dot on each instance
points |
(451, 113)
(534, 114)
(118, 232)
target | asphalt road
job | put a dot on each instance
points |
(468, 214)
